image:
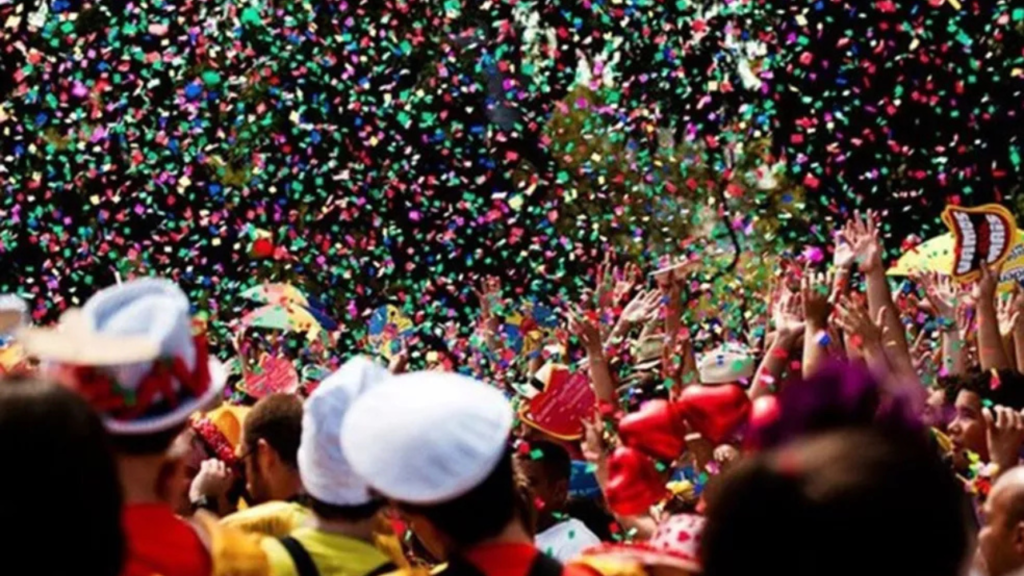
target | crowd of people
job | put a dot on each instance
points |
(860, 429)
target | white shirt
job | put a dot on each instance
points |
(566, 540)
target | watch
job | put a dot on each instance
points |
(204, 503)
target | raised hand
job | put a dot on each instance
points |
(867, 247)
(788, 315)
(814, 294)
(985, 288)
(625, 280)
(1008, 316)
(940, 293)
(593, 445)
(843, 255)
(865, 333)
(1005, 433)
(586, 330)
(213, 481)
(642, 308)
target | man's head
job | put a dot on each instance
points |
(59, 472)
(1001, 540)
(269, 448)
(843, 503)
(437, 444)
(546, 467)
(337, 492)
(969, 395)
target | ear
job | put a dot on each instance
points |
(562, 489)
(265, 452)
(1018, 538)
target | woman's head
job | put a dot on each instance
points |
(59, 472)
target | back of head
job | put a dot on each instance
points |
(58, 470)
(842, 503)
(336, 491)
(1000, 387)
(480, 514)
(550, 457)
(277, 420)
(437, 443)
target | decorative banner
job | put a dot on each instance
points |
(274, 375)
(525, 332)
(388, 326)
(983, 237)
(558, 410)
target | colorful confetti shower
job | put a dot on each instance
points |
(395, 151)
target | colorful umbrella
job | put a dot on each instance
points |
(289, 317)
(276, 294)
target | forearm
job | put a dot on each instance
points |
(769, 374)
(1018, 347)
(880, 297)
(815, 349)
(991, 354)
(601, 375)
(952, 353)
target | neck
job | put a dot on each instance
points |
(359, 530)
(513, 533)
(289, 486)
(141, 478)
(545, 520)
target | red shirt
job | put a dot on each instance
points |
(512, 560)
(159, 542)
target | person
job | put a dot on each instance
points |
(437, 445)
(341, 538)
(66, 471)
(855, 502)
(269, 451)
(546, 466)
(130, 351)
(1001, 539)
(1003, 390)
(673, 550)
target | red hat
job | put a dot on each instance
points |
(675, 543)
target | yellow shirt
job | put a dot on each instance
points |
(276, 519)
(333, 554)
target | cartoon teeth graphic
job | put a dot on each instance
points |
(982, 238)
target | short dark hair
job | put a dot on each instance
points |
(65, 470)
(853, 501)
(146, 444)
(479, 514)
(345, 513)
(1003, 387)
(276, 419)
(553, 458)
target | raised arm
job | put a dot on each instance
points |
(787, 317)
(590, 337)
(942, 295)
(814, 293)
(991, 353)
(868, 248)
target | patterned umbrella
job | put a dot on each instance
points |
(289, 317)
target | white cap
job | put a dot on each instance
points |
(326, 474)
(427, 437)
(726, 364)
(123, 331)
